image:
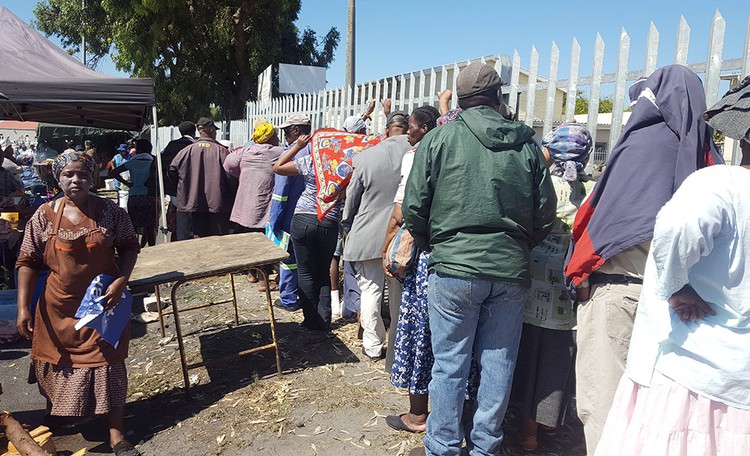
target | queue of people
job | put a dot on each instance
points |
(522, 281)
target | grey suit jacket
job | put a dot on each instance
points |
(369, 198)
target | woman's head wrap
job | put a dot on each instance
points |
(263, 133)
(354, 124)
(569, 147)
(731, 114)
(71, 156)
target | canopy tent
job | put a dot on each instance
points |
(41, 82)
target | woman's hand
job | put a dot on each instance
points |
(583, 293)
(386, 102)
(444, 100)
(24, 324)
(688, 305)
(114, 292)
(385, 267)
(285, 165)
(370, 109)
(303, 141)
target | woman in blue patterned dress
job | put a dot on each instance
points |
(413, 351)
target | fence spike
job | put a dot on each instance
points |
(596, 83)
(652, 50)
(402, 92)
(454, 100)
(746, 55)
(432, 92)
(713, 61)
(683, 42)
(554, 62)
(514, 77)
(421, 87)
(618, 104)
(531, 91)
(375, 124)
(575, 63)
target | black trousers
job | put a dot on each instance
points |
(201, 224)
(314, 243)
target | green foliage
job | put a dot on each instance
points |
(69, 21)
(605, 104)
(200, 53)
(582, 104)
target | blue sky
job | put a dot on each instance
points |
(398, 36)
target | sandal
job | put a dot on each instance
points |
(264, 286)
(527, 443)
(396, 422)
(125, 448)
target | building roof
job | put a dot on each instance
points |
(603, 119)
(17, 125)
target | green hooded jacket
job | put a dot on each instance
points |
(480, 197)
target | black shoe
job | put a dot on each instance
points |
(374, 358)
(125, 448)
(314, 327)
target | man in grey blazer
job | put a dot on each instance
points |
(369, 203)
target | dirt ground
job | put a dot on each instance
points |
(331, 400)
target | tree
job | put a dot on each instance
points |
(582, 104)
(200, 53)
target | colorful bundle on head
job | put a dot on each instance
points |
(263, 133)
(569, 147)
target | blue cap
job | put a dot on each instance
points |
(122, 147)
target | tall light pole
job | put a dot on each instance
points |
(350, 34)
(83, 34)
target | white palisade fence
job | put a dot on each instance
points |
(541, 102)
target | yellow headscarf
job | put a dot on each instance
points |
(263, 133)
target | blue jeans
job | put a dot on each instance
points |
(288, 281)
(480, 316)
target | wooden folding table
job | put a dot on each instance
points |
(175, 263)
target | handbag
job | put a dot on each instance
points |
(400, 253)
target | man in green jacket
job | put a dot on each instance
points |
(479, 198)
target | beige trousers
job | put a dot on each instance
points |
(605, 323)
(371, 278)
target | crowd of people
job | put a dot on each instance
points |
(512, 275)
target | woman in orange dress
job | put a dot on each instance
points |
(76, 237)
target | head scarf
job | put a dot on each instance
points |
(664, 141)
(354, 124)
(731, 114)
(263, 133)
(569, 147)
(259, 121)
(635, 90)
(70, 156)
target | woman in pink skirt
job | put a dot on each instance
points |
(686, 389)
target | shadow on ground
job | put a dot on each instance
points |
(300, 349)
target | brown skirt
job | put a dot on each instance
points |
(82, 391)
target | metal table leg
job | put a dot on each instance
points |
(178, 331)
(269, 303)
(234, 301)
(158, 306)
(178, 326)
